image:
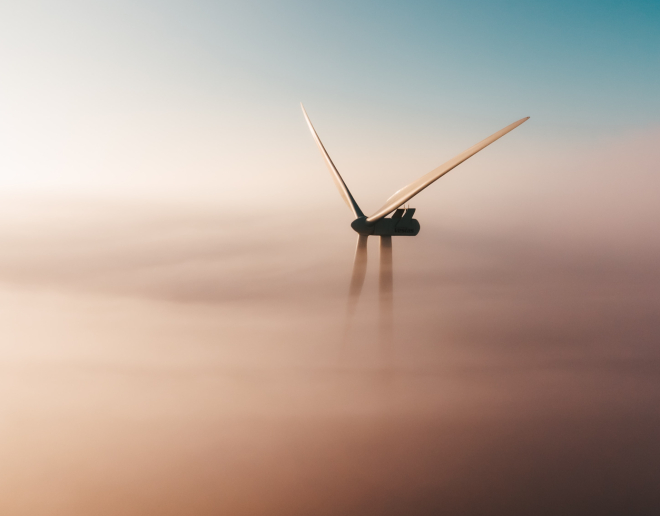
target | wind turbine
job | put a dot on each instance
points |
(401, 223)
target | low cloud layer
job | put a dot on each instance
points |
(161, 359)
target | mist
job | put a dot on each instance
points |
(168, 357)
(175, 260)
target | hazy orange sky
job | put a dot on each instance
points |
(175, 259)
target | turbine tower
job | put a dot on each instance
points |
(401, 223)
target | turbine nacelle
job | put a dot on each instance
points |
(400, 224)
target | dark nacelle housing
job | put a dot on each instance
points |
(400, 224)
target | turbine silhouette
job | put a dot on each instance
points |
(401, 223)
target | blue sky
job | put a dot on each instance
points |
(590, 60)
(220, 82)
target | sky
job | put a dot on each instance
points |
(175, 259)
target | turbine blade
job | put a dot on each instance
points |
(408, 192)
(357, 280)
(359, 272)
(341, 186)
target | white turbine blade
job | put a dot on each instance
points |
(359, 271)
(357, 280)
(341, 186)
(408, 192)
